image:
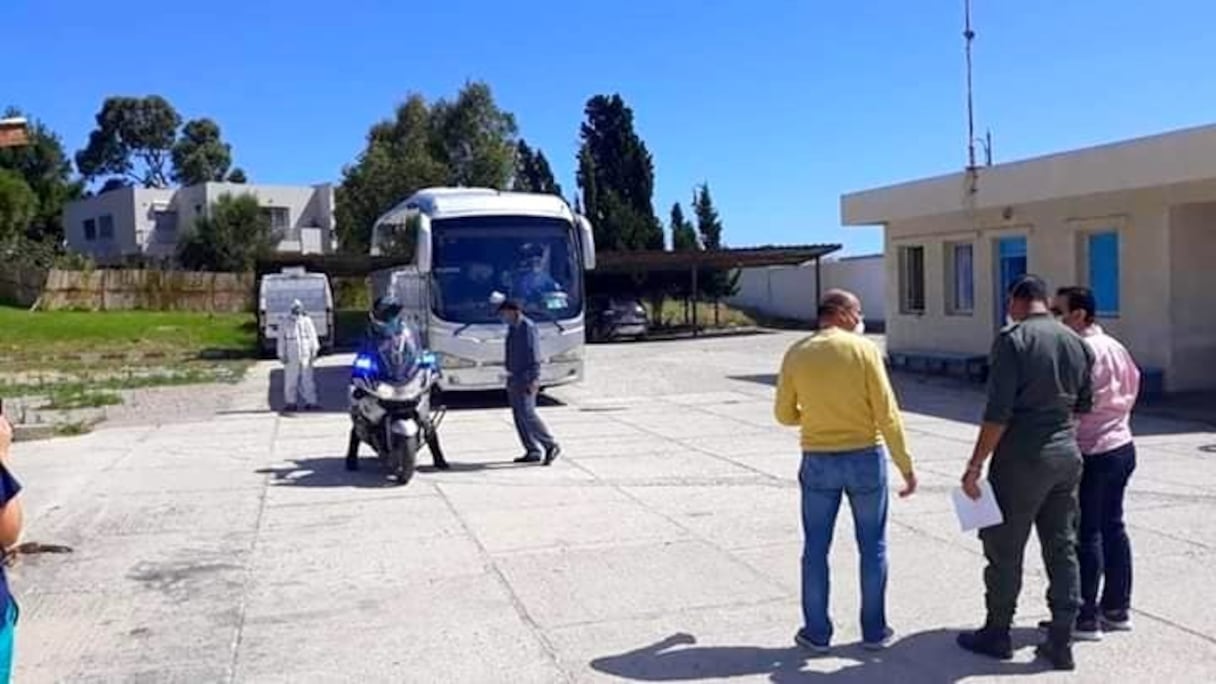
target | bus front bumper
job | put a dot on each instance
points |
(483, 378)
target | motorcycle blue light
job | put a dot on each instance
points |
(364, 366)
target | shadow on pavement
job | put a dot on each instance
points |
(930, 656)
(963, 402)
(332, 472)
(333, 383)
(333, 386)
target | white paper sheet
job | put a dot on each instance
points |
(976, 514)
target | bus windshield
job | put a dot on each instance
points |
(533, 260)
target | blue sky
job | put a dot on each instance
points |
(781, 105)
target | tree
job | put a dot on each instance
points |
(716, 284)
(45, 168)
(113, 184)
(199, 155)
(134, 138)
(234, 235)
(616, 175)
(474, 138)
(18, 207)
(396, 163)
(532, 172)
(709, 225)
(466, 142)
(237, 175)
(683, 234)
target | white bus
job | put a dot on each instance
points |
(472, 247)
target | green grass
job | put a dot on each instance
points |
(101, 380)
(78, 398)
(27, 337)
(74, 429)
(672, 314)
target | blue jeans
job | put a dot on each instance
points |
(824, 478)
(6, 641)
(1103, 550)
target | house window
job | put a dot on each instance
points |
(105, 226)
(1102, 257)
(912, 280)
(165, 226)
(960, 278)
(280, 220)
(90, 229)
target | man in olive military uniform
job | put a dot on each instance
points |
(1039, 378)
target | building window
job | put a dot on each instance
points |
(912, 280)
(105, 225)
(90, 229)
(280, 220)
(960, 278)
(1102, 258)
(165, 230)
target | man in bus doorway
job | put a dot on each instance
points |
(523, 385)
(298, 347)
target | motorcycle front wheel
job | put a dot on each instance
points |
(404, 459)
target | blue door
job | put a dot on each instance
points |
(1010, 265)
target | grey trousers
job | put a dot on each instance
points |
(532, 431)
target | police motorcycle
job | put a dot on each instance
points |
(394, 385)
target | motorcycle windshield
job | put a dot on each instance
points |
(399, 357)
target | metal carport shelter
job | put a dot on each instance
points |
(692, 262)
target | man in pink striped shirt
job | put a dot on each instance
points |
(1105, 438)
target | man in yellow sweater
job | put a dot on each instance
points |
(834, 386)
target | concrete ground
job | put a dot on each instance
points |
(663, 547)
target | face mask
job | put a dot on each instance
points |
(860, 328)
(1009, 320)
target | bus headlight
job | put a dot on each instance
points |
(575, 354)
(450, 362)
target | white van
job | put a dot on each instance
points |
(277, 291)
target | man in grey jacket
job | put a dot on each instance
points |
(523, 385)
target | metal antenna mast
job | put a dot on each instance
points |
(969, 35)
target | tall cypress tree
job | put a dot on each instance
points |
(716, 284)
(683, 235)
(616, 176)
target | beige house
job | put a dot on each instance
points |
(147, 222)
(1135, 220)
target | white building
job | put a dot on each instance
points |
(147, 222)
(788, 292)
(1135, 221)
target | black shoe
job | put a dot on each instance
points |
(529, 458)
(1058, 653)
(352, 463)
(442, 464)
(1083, 629)
(552, 454)
(990, 642)
(290, 408)
(1116, 621)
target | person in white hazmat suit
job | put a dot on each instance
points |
(298, 347)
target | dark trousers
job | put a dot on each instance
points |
(1034, 491)
(1103, 548)
(531, 429)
